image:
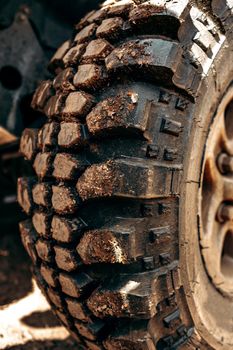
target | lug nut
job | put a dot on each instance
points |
(225, 213)
(225, 163)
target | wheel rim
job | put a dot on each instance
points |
(216, 233)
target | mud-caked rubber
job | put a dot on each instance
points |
(104, 228)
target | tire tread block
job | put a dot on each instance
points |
(56, 62)
(114, 113)
(86, 33)
(68, 167)
(41, 194)
(78, 310)
(44, 250)
(64, 199)
(113, 244)
(90, 76)
(129, 178)
(132, 335)
(42, 222)
(29, 143)
(76, 285)
(131, 296)
(77, 104)
(55, 298)
(43, 164)
(49, 275)
(92, 330)
(64, 80)
(110, 28)
(71, 135)
(43, 93)
(24, 194)
(48, 135)
(66, 259)
(29, 238)
(66, 230)
(97, 50)
(152, 53)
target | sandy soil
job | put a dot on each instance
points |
(26, 322)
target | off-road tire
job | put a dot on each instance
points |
(113, 233)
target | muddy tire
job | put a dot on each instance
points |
(118, 230)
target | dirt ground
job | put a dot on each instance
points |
(26, 322)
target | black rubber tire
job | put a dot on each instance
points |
(105, 236)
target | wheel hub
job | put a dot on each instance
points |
(216, 234)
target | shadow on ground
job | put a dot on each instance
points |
(44, 319)
(68, 344)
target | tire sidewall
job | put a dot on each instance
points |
(211, 312)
